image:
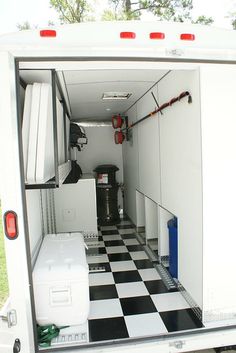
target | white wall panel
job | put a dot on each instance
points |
(26, 124)
(140, 209)
(151, 219)
(149, 154)
(101, 149)
(33, 132)
(180, 139)
(44, 168)
(163, 233)
(76, 207)
(130, 161)
(60, 133)
(218, 96)
(34, 219)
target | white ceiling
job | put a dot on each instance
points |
(86, 88)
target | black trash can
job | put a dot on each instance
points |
(107, 194)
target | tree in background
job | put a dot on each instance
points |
(169, 10)
(233, 22)
(72, 11)
(24, 26)
(232, 14)
(203, 20)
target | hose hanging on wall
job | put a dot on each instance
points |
(162, 107)
(159, 109)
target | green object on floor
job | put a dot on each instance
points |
(47, 333)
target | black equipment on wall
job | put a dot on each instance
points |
(107, 191)
(75, 174)
(78, 137)
(77, 140)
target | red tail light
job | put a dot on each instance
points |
(48, 33)
(157, 35)
(127, 35)
(187, 36)
(10, 223)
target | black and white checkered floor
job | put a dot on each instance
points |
(129, 299)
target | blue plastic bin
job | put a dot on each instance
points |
(173, 247)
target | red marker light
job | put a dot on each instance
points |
(48, 33)
(127, 35)
(187, 36)
(10, 223)
(157, 35)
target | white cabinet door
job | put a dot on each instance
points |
(181, 173)
(13, 199)
(149, 153)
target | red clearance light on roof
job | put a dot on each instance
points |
(187, 36)
(157, 35)
(127, 35)
(10, 223)
(48, 33)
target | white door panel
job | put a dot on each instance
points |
(13, 198)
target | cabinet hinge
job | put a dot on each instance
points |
(10, 318)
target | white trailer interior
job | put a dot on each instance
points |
(174, 164)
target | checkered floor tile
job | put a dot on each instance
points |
(127, 295)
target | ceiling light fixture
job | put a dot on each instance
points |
(115, 95)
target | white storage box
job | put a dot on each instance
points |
(60, 277)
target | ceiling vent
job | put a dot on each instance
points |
(115, 95)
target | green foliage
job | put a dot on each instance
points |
(72, 11)
(203, 20)
(3, 271)
(232, 14)
(233, 22)
(169, 10)
(24, 26)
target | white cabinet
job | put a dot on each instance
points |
(75, 206)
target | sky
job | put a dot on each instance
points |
(38, 12)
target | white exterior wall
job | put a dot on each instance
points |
(181, 187)
(218, 96)
(13, 199)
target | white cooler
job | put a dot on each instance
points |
(61, 284)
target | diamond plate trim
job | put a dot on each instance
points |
(196, 309)
(166, 277)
